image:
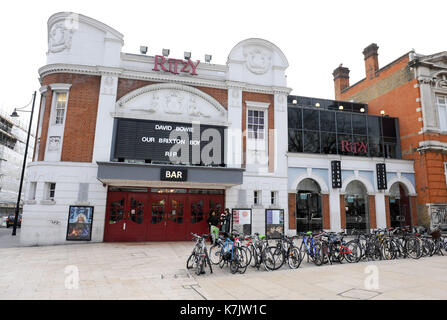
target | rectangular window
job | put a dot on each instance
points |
(61, 103)
(441, 103)
(257, 197)
(50, 190)
(445, 172)
(255, 124)
(32, 191)
(274, 198)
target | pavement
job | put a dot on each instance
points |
(7, 240)
(156, 271)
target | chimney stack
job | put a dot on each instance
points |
(341, 80)
(371, 60)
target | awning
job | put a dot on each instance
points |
(130, 174)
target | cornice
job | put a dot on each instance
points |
(158, 77)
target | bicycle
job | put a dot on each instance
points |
(199, 259)
(285, 249)
(226, 252)
(258, 245)
(311, 248)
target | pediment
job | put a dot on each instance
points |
(438, 60)
(172, 102)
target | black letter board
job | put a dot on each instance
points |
(336, 174)
(381, 176)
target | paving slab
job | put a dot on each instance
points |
(155, 271)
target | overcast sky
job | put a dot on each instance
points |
(315, 36)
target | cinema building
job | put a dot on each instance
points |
(140, 147)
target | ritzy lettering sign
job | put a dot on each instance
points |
(354, 147)
(175, 66)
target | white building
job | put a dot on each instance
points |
(144, 147)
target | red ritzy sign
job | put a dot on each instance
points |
(354, 147)
(175, 66)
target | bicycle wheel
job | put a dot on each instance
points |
(234, 265)
(317, 253)
(254, 255)
(353, 252)
(190, 261)
(294, 258)
(208, 261)
(413, 248)
(246, 256)
(335, 252)
(268, 260)
(388, 250)
(277, 255)
(240, 255)
(216, 254)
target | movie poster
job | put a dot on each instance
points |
(274, 226)
(80, 220)
(241, 221)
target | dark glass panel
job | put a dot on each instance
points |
(344, 122)
(374, 146)
(304, 101)
(295, 140)
(374, 126)
(327, 121)
(311, 141)
(389, 127)
(294, 118)
(358, 124)
(310, 119)
(328, 143)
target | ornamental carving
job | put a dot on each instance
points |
(59, 37)
(54, 143)
(171, 102)
(258, 59)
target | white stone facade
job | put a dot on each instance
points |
(81, 45)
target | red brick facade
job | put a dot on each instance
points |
(80, 121)
(394, 90)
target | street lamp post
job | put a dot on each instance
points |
(14, 114)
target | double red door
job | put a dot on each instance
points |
(158, 217)
(125, 219)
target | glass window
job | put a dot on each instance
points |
(311, 119)
(374, 146)
(344, 122)
(294, 118)
(273, 197)
(61, 102)
(255, 124)
(360, 145)
(32, 191)
(328, 143)
(256, 197)
(327, 120)
(389, 127)
(295, 140)
(441, 102)
(358, 124)
(311, 141)
(374, 126)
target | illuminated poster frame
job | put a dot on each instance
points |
(274, 230)
(245, 228)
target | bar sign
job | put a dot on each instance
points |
(381, 176)
(336, 174)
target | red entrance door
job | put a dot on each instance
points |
(126, 217)
(169, 217)
(201, 207)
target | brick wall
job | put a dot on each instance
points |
(372, 211)
(80, 121)
(292, 211)
(326, 211)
